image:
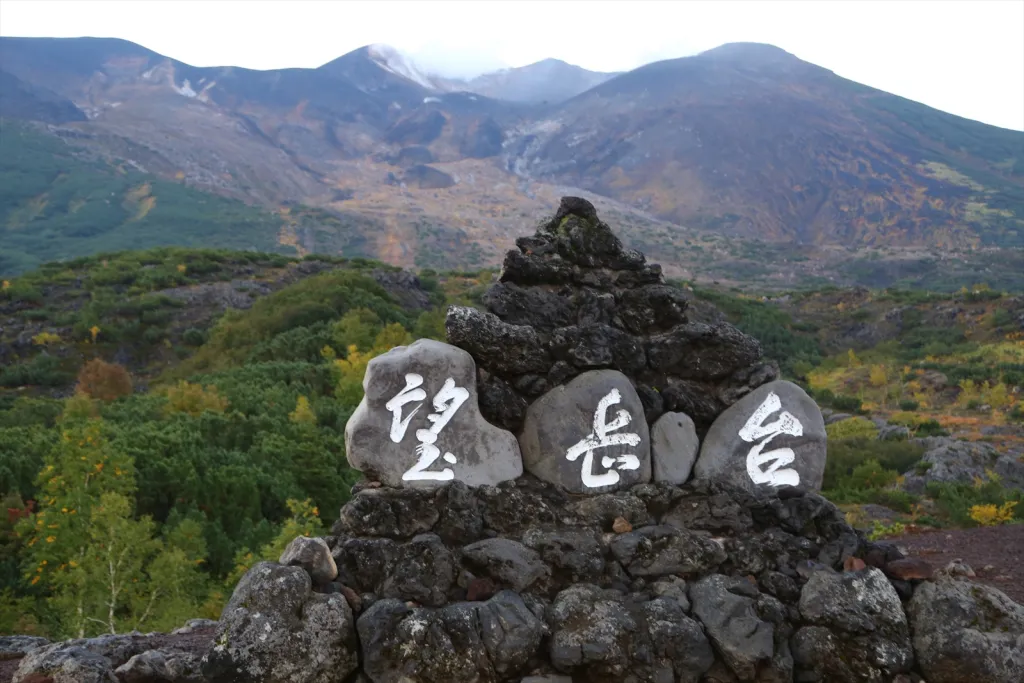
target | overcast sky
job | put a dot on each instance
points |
(961, 56)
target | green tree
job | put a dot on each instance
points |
(359, 327)
(430, 325)
(99, 569)
(305, 521)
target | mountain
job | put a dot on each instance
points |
(750, 141)
(742, 164)
(21, 100)
(547, 81)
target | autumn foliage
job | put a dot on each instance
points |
(104, 381)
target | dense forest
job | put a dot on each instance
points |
(170, 417)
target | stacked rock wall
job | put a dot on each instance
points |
(523, 582)
(571, 299)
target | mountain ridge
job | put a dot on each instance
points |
(735, 146)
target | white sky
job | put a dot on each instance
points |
(961, 56)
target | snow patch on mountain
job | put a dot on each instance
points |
(392, 60)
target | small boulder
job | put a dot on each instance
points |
(275, 629)
(771, 438)
(576, 556)
(422, 570)
(674, 446)
(965, 631)
(727, 608)
(589, 436)
(13, 647)
(665, 550)
(64, 663)
(465, 642)
(313, 555)
(419, 423)
(161, 666)
(856, 628)
(505, 560)
(590, 631)
(907, 569)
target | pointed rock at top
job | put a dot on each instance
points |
(571, 298)
(419, 423)
(573, 206)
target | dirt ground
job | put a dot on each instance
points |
(996, 554)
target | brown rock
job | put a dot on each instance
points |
(908, 568)
(480, 589)
(853, 564)
(621, 525)
(354, 601)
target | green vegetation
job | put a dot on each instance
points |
(782, 341)
(219, 463)
(935, 363)
(136, 405)
(55, 204)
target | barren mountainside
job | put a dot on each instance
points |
(741, 164)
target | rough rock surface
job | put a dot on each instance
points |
(313, 555)
(589, 435)
(64, 663)
(965, 631)
(773, 437)
(674, 447)
(950, 460)
(12, 647)
(161, 666)
(570, 299)
(712, 583)
(276, 630)
(419, 423)
(856, 628)
(84, 660)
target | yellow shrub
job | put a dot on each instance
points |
(855, 427)
(194, 399)
(990, 515)
(303, 413)
(45, 338)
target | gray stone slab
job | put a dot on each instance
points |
(419, 422)
(772, 437)
(589, 435)
(674, 446)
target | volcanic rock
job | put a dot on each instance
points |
(572, 298)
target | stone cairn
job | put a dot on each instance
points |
(591, 485)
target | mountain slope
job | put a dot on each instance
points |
(547, 81)
(742, 164)
(750, 141)
(56, 205)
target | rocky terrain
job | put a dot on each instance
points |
(660, 573)
(518, 581)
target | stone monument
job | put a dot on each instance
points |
(419, 425)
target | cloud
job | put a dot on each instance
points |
(464, 61)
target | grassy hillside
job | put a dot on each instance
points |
(55, 204)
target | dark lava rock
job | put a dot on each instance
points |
(572, 298)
